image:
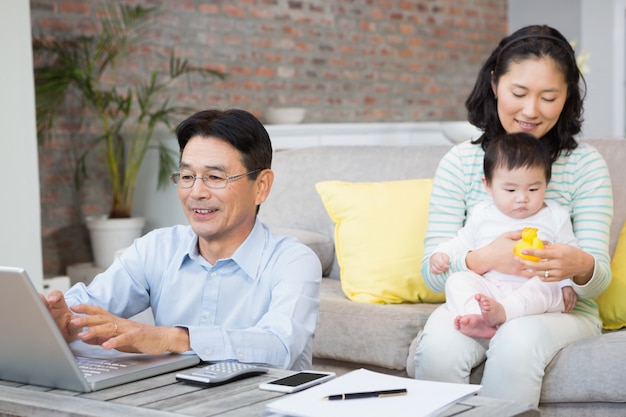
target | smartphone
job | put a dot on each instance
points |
(298, 382)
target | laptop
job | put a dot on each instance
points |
(33, 351)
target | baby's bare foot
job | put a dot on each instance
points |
(491, 310)
(474, 325)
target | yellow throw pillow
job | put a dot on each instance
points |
(379, 238)
(612, 302)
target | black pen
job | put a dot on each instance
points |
(370, 394)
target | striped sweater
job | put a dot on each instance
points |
(580, 182)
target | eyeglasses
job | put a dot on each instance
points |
(213, 180)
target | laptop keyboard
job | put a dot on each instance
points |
(93, 366)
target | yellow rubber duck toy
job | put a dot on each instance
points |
(529, 240)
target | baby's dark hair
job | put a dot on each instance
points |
(516, 150)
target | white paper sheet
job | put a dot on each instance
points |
(424, 398)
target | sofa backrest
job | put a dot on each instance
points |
(294, 203)
(614, 152)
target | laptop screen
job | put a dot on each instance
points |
(33, 351)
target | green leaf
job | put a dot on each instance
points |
(126, 117)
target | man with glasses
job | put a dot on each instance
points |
(223, 286)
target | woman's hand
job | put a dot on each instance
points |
(112, 332)
(561, 261)
(498, 256)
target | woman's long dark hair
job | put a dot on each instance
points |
(530, 42)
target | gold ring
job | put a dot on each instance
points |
(546, 275)
(115, 332)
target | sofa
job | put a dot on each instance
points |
(585, 378)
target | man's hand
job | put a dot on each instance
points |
(112, 332)
(61, 314)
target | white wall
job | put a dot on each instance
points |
(602, 34)
(20, 219)
(160, 208)
(563, 15)
(598, 27)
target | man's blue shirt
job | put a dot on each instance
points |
(260, 305)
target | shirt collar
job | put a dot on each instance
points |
(247, 256)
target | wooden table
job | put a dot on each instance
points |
(162, 396)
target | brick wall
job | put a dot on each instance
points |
(344, 60)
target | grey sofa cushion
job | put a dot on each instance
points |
(369, 334)
(323, 246)
(592, 370)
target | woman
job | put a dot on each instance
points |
(530, 83)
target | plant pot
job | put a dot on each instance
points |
(111, 235)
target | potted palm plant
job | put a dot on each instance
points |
(127, 117)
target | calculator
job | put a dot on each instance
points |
(220, 373)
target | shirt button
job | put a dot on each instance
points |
(213, 274)
(240, 356)
(207, 351)
(206, 316)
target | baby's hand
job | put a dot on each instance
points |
(569, 298)
(439, 263)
